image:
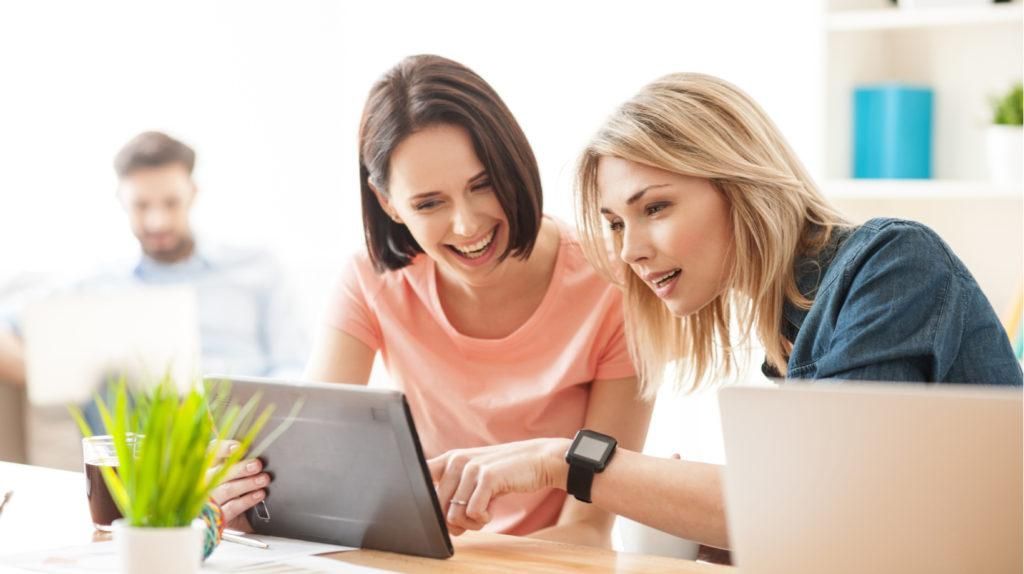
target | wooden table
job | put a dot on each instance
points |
(48, 510)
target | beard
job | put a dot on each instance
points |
(175, 251)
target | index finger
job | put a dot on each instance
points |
(437, 466)
(226, 447)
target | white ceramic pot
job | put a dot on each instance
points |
(158, 550)
(642, 539)
(1005, 146)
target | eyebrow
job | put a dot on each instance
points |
(635, 197)
(424, 195)
(427, 194)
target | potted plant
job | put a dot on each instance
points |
(168, 466)
(1005, 138)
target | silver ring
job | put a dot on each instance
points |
(460, 502)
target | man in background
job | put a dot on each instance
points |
(248, 324)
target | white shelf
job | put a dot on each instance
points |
(905, 18)
(923, 189)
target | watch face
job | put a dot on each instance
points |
(591, 448)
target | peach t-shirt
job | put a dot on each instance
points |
(467, 392)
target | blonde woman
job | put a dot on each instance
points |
(716, 223)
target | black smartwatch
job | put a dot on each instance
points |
(588, 455)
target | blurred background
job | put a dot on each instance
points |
(270, 93)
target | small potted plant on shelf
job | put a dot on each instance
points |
(168, 466)
(1006, 138)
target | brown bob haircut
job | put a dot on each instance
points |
(152, 149)
(423, 91)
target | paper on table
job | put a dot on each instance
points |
(87, 558)
(230, 557)
(100, 557)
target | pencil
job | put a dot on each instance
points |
(244, 540)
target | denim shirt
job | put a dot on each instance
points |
(893, 303)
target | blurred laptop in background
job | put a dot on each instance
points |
(75, 343)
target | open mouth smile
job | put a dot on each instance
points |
(475, 250)
(479, 252)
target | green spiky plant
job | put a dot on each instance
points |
(167, 444)
(1009, 109)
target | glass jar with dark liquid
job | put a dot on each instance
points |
(97, 452)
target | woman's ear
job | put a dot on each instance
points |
(385, 203)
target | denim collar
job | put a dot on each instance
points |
(812, 275)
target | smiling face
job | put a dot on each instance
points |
(674, 231)
(439, 189)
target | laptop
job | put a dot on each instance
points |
(348, 469)
(880, 478)
(74, 342)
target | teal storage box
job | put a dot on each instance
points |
(892, 134)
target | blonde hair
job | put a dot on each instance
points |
(702, 126)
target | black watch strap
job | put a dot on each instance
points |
(580, 480)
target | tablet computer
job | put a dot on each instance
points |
(348, 469)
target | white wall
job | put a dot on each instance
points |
(270, 94)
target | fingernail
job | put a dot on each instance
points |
(232, 448)
(257, 495)
(252, 466)
(261, 480)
